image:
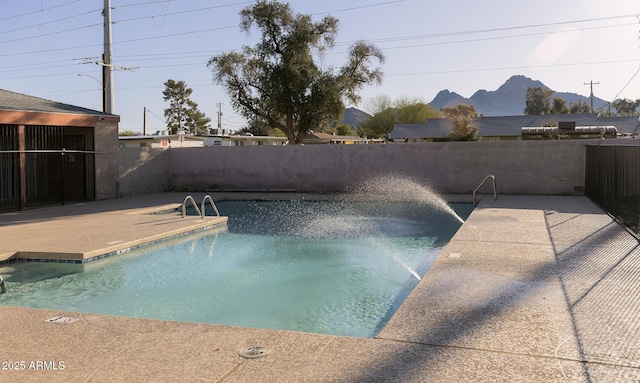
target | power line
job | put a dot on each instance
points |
(51, 50)
(501, 29)
(388, 75)
(120, 42)
(156, 116)
(182, 12)
(29, 67)
(506, 68)
(177, 34)
(50, 34)
(39, 11)
(40, 25)
(477, 39)
(452, 71)
(627, 84)
(229, 27)
(156, 3)
(357, 8)
(381, 40)
(371, 41)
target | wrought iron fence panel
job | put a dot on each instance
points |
(44, 165)
(9, 177)
(612, 180)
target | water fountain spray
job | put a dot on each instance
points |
(404, 189)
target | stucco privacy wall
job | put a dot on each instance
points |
(106, 158)
(143, 170)
(520, 167)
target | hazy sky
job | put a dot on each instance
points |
(459, 45)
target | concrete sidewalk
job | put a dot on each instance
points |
(530, 289)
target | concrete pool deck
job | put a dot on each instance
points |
(82, 231)
(530, 289)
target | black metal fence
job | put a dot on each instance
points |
(48, 165)
(9, 178)
(612, 180)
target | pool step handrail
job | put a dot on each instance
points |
(213, 205)
(495, 191)
(193, 202)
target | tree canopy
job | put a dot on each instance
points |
(538, 101)
(626, 107)
(413, 110)
(463, 119)
(343, 130)
(580, 107)
(278, 83)
(559, 106)
(183, 113)
(386, 112)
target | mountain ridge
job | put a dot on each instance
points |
(508, 100)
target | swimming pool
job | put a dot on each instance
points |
(331, 267)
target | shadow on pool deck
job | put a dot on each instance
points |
(531, 288)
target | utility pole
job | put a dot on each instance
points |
(144, 122)
(591, 83)
(107, 65)
(108, 94)
(219, 105)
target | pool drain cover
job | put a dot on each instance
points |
(254, 352)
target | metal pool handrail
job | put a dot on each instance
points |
(213, 205)
(495, 191)
(193, 202)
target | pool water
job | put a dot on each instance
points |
(340, 268)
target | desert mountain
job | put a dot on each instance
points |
(508, 100)
(353, 117)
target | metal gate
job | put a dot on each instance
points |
(612, 181)
(8, 167)
(44, 165)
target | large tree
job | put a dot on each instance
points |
(626, 107)
(414, 110)
(278, 83)
(559, 106)
(344, 130)
(382, 113)
(463, 117)
(183, 113)
(538, 101)
(386, 112)
(580, 107)
(602, 112)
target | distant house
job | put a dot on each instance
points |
(161, 141)
(194, 141)
(244, 140)
(434, 130)
(52, 153)
(326, 138)
(510, 128)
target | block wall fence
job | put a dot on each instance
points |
(520, 167)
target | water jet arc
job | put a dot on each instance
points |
(398, 188)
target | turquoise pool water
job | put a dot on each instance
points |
(339, 268)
